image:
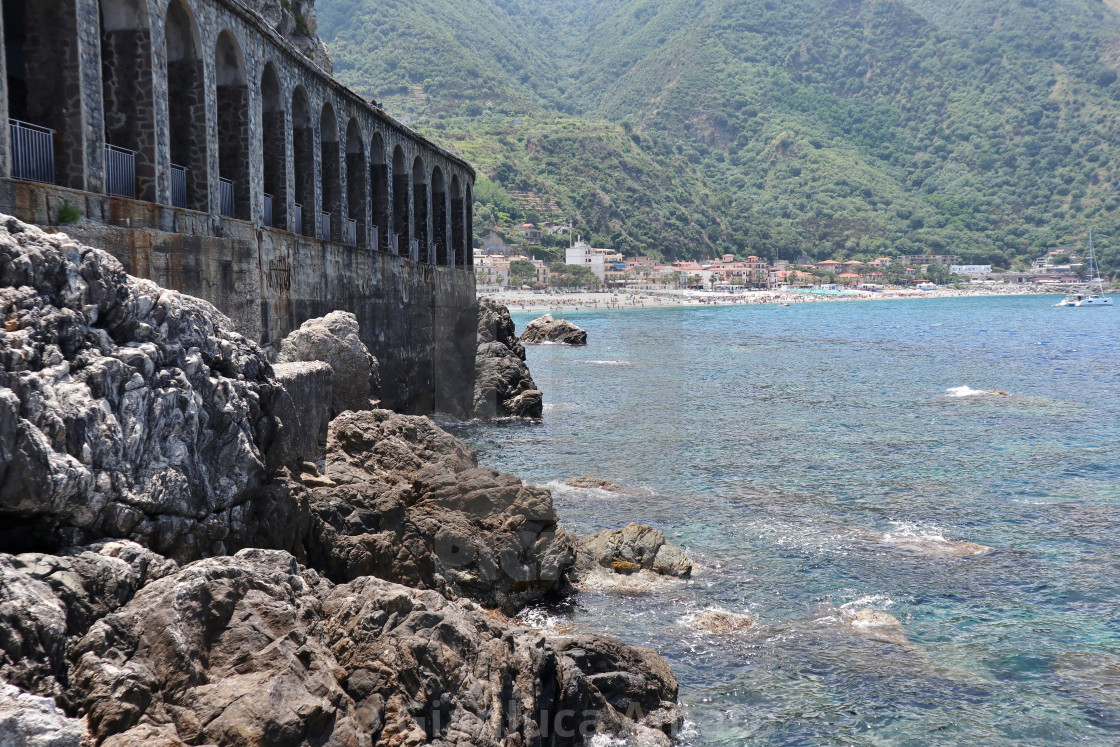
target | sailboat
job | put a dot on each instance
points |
(1091, 298)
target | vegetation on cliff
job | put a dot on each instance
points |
(831, 127)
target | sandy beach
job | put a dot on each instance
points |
(528, 301)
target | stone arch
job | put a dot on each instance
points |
(186, 108)
(468, 203)
(379, 190)
(274, 139)
(332, 174)
(439, 217)
(233, 127)
(303, 152)
(127, 89)
(43, 75)
(356, 181)
(420, 208)
(401, 201)
(458, 216)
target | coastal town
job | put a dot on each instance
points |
(527, 263)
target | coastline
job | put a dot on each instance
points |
(529, 302)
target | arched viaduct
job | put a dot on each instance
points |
(210, 155)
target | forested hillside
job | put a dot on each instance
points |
(985, 128)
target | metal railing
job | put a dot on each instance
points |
(32, 152)
(325, 226)
(376, 238)
(268, 209)
(453, 258)
(400, 244)
(351, 227)
(225, 194)
(414, 250)
(178, 185)
(297, 219)
(120, 172)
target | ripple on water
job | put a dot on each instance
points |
(814, 465)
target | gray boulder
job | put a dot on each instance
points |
(334, 340)
(409, 504)
(304, 409)
(634, 548)
(28, 720)
(546, 329)
(255, 650)
(126, 410)
(503, 385)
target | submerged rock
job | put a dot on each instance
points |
(874, 624)
(722, 623)
(626, 551)
(409, 504)
(503, 385)
(546, 329)
(334, 340)
(598, 483)
(209, 654)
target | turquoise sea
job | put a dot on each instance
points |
(813, 462)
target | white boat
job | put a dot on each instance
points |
(1092, 298)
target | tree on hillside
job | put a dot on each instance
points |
(522, 272)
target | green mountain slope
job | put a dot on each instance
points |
(833, 127)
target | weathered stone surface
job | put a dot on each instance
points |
(503, 385)
(130, 411)
(28, 720)
(304, 410)
(410, 505)
(46, 598)
(635, 681)
(559, 331)
(634, 548)
(334, 339)
(254, 650)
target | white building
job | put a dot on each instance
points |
(970, 269)
(583, 254)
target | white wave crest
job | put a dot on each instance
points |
(967, 391)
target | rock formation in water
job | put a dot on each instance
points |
(546, 329)
(334, 340)
(503, 385)
(632, 549)
(140, 434)
(410, 504)
(722, 623)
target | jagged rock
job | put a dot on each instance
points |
(409, 504)
(334, 339)
(503, 385)
(304, 409)
(636, 547)
(546, 329)
(722, 623)
(254, 650)
(598, 483)
(46, 598)
(28, 720)
(635, 681)
(126, 410)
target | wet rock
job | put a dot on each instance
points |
(126, 410)
(875, 625)
(722, 623)
(636, 547)
(334, 340)
(255, 650)
(598, 483)
(409, 504)
(503, 385)
(28, 720)
(546, 329)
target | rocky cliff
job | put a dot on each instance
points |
(503, 385)
(185, 560)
